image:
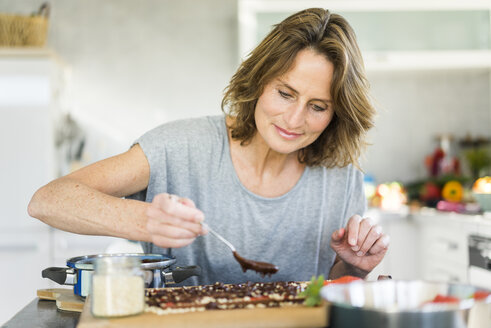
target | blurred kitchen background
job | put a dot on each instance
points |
(110, 70)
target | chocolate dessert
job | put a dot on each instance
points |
(221, 296)
(262, 268)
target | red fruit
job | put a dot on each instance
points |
(481, 295)
(439, 153)
(342, 280)
(429, 191)
(437, 158)
(445, 299)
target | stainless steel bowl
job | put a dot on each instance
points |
(405, 304)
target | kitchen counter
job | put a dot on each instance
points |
(42, 313)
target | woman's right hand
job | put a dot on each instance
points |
(173, 222)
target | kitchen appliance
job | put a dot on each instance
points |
(479, 272)
(156, 269)
(406, 304)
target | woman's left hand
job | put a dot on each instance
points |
(360, 244)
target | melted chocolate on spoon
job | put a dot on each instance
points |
(263, 268)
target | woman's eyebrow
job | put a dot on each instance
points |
(286, 85)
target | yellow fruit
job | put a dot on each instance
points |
(482, 185)
(452, 191)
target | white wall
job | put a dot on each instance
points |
(135, 64)
(415, 107)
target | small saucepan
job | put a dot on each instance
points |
(156, 270)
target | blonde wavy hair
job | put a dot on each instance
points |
(342, 142)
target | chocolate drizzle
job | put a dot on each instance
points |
(263, 268)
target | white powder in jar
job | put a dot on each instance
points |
(117, 295)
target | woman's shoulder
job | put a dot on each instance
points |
(189, 130)
(337, 175)
(336, 170)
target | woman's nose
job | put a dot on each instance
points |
(294, 116)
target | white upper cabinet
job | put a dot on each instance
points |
(393, 35)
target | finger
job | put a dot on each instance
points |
(173, 198)
(166, 242)
(381, 245)
(337, 235)
(365, 227)
(187, 202)
(158, 218)
(170, 204)
(353, 228)
(372, 237)
(170, 231)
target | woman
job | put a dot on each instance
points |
(276, 175)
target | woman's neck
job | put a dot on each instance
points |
(265, 160)
(263, 170)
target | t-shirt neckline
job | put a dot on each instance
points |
(229, 162)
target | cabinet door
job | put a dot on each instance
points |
(27, 101)
(405, 30)
(391, 34)
(401, 259)
(444, 248)
(26, 138)
(23, 255)
(26, 134)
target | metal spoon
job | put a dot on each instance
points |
(263, 268)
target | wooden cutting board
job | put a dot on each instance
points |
(259, 317)
(64, 297)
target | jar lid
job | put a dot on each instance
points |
(105, 263)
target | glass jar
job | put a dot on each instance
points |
(117, 287)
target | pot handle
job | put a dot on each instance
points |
(180, 274)
(63, 276)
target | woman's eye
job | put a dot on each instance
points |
(284, 94)
(318, 108)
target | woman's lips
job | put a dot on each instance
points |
(286, 134)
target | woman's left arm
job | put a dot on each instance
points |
(360, 247)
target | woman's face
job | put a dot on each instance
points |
(296, 107)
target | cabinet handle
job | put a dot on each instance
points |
(453, 246)
(448, 244)
(453, 279)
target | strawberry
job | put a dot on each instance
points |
(342, 280)
(480, 295)
(445, 299)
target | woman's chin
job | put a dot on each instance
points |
(285, 148)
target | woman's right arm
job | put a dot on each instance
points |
(88, 201)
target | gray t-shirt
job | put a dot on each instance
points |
(191, 158)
